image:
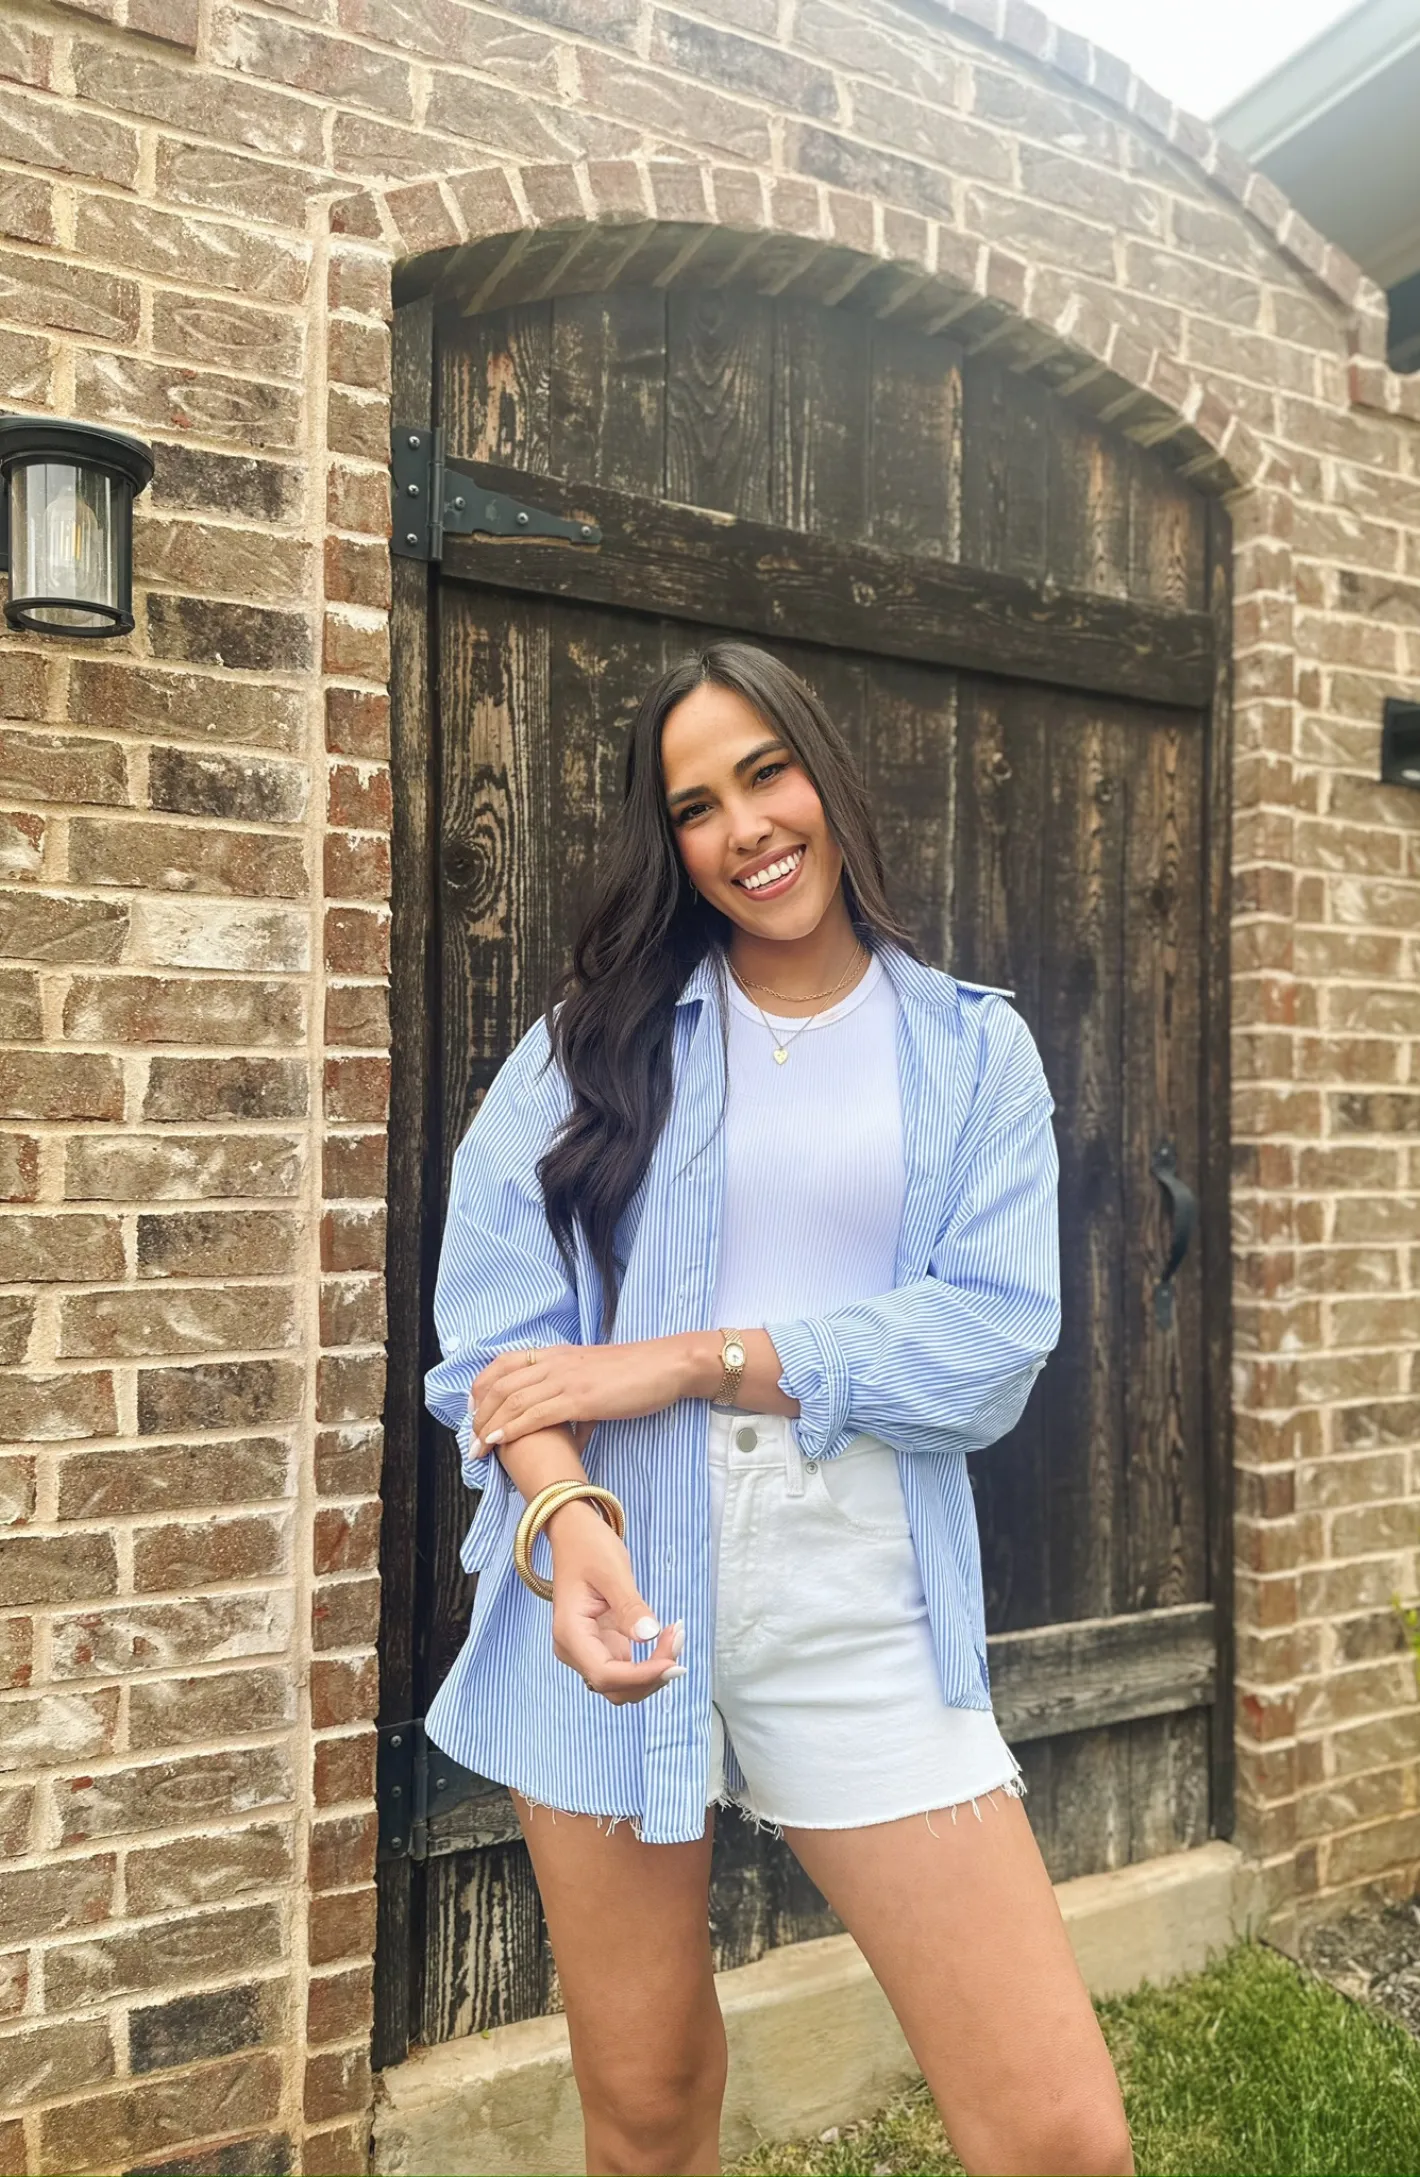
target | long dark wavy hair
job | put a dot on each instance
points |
(610, 1019)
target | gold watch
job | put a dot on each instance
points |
(732, 1365)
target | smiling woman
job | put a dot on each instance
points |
(774, 1512)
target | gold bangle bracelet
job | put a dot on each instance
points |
(541, 1509)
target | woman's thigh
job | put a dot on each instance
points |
(629, 1927)
(960, 1924)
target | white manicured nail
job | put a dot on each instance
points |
(645, 1629)
(475, 1444)
(678, 1639)
(677, 1670)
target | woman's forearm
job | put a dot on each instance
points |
(546, 1455)
(759, 1390)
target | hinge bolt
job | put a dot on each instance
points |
(396, 1739)
(412, 490)
(411, 536)
(396, 1844)
(523, 519)
(458, 506)
(414, 438)
(587, 529)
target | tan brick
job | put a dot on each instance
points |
(216, 1243)
(160, 702)
(209, 1870)
(345, 1614)
(108, 1168)
(41, 2062)
(255, 565)
(171, 1794)
(173, 1711)
(344, 1769)
(56, 1408)
(142, 1636)
(59, 1727)
(341, 1925)
(353, 1239)
(357, 724)
(347, 1538)
(204, 1553)
(217, 180)
(75, 1248)
(337, 2083)
(132, 1009)
(21, 1018)
(354, 1166)
(357, 1014)
(343, 1691)
(130, 390)
(66, 139)
(352, 1311)
(194, 252)
(186, 1477)
(72, 1893)
(22, 837)
(349, 1458)
(338, 2006)
(188, 1089)
(162, 2113)
(356, 1089)
(17, 1312)
(219, 1395)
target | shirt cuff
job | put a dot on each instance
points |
(474, 1466)
(812, 1370)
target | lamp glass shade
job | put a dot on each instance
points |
(70, 553)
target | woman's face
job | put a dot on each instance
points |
(749, 824)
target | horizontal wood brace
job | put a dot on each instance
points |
(690, 563)
(1092, 1671)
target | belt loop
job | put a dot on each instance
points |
(793, 1460)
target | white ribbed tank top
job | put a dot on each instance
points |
(814, 1172)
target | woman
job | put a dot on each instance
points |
(762, 1222)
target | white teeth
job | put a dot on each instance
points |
(773, 873)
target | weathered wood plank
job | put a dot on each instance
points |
(719, 365)
(410, 1231)
(1215, 1163)
(691, 564)
(1097, 1671)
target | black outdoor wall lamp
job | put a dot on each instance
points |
(1400, 743)
(67, 528)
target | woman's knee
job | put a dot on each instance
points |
(654, 2101)
(1088, 2137)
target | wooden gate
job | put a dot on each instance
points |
(1021, 621)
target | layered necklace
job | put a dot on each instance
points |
(784, 1044)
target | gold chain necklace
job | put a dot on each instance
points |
(800, 997)
(784, 1044)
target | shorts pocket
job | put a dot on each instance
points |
(862, 1488)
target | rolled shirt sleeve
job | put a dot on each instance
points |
(947, 1361)
(502, 1283)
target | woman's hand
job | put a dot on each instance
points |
(554, 1385)
(597, 1612)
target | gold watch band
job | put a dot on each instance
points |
(732, 1366)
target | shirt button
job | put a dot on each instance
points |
(811, 1466)
(746, 1438)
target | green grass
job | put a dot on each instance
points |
(1250, 2069)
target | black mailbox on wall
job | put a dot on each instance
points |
(1400, 743)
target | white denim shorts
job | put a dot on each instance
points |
(828, 1710)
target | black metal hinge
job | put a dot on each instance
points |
(433, 496)
(414, 1783)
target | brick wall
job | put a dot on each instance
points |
(201, 204)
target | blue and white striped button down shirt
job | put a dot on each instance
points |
(940, 1366)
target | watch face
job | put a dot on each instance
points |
(734, 1354)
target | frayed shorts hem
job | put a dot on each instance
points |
(1014, 1786)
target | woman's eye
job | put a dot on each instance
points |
(767, 770)
(687, 811)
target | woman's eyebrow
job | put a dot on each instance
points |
(688, 793)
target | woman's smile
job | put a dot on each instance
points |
(772, 875)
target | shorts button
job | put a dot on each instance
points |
(746, 1438)
(811, 1466)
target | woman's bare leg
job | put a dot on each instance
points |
(961, 1927)
(629, 1924)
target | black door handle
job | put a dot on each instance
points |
(1164, 1166)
